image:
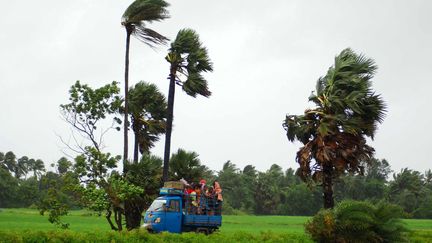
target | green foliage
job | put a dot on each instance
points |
(95, 165)
(353, 221)
(123, 189)
(187, 165)
(89, 106)
(8, 188)
(16, 223)
(93, 104)
(334, 132)
(143, 236)
(189, 58)
(63, 165)
(141, 12)
(406, 189)
(56, 209)
(146, 175)
(93, 198)
(148, 108)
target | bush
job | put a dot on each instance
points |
(143, 236)
(354, 221)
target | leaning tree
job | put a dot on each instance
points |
(188, 59)
(135, 20)
(334, 133)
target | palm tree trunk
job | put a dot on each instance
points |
(126, 123)
(328, 187)
(170, 117)
(135, 158)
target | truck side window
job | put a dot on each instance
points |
(174, 206)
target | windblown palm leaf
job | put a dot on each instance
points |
(141, 12)
(189, 58)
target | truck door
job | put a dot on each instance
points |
(173, 219)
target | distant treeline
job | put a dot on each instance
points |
(24, 182)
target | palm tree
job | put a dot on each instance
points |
(147, 107)
(187, 165)
(37, 166)
(334, 132)
(134, 19)
(9, 161)
(188, 58)
(22, 167)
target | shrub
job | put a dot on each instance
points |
(354, 221)
(66, 236)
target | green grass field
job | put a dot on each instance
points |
(20, 220)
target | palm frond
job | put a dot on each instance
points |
(145, 11)
(149, 36)
(141, 12)
(190, 58)
(196, 84)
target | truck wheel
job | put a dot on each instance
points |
(202, 230)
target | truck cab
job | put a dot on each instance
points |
(173, 211)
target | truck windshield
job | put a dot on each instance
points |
(157, 206)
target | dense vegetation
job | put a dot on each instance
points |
(27, 224)
(353, 221)
(408, 188)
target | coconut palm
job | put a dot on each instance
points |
(147, 107)
(334, 132)
(134, 19)
(188, 58)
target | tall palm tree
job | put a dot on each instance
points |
(188, 58)
(148, 108)
(334, 132)
(134, 19)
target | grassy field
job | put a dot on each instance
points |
(84, 221)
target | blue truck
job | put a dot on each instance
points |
(173, 211)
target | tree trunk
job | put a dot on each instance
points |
(132, 215)
(126, 87)
(118, 218)
(328, 186)
(135, 156)
(170, 117)
(108, 217)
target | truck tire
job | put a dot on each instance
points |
(202, 230)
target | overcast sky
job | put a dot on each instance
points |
(267, 57)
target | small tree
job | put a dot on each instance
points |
(334, 132)
(87, 108)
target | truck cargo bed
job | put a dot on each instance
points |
(202, 220)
